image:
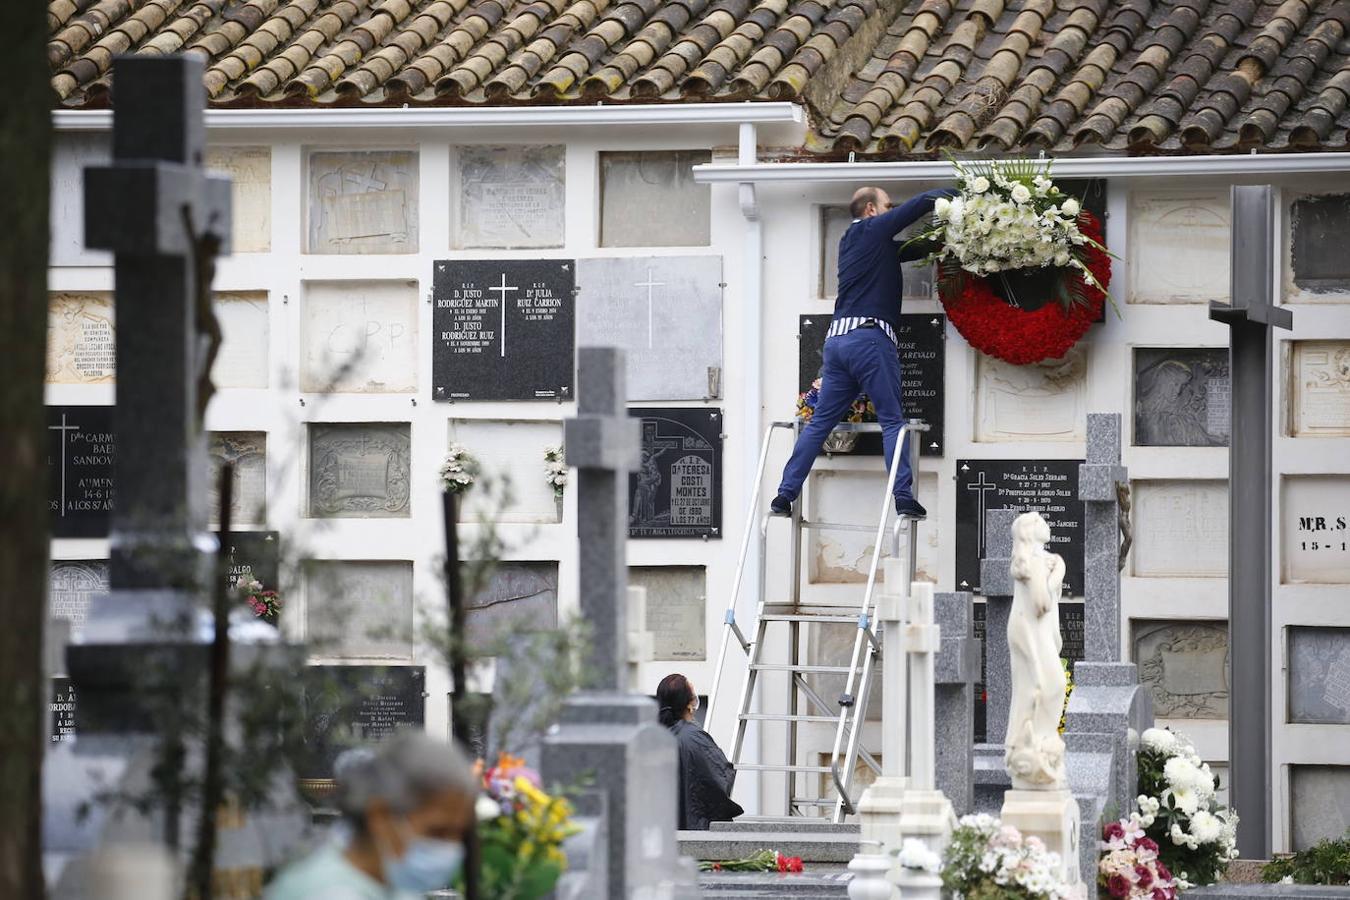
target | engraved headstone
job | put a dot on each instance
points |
(62, 711)
(347, 706)
(363, 201)
(73, 585)
(922, 370)
(677, 609)
(71, 152)
(250, 172)
(242, 360)
(1182, 397)
(676, 491)
(80, 454)
(359, 470)
(510, 197)
(1049, 487)
(1179, 246)
(1315, 524)
(247, 450)
(1044, 401)
(81, 338)
(519, 596)
(359, 609)
(1319, 804)
(1321, 389)
(503, 329)
(1316, 224)
(1319, 675)
(359, 337)
(253, 556)
(648, 198)
(510, 451)
(1184, 664)
(1182, 528)
(665, 313)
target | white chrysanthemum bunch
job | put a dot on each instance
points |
(1009, 215)
(555, 470)
(459, 470)
(914, 854)
(985, 855)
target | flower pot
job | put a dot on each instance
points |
(1027, 289)
(840, 442)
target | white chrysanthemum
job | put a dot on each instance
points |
(1159, 739)
(1070, 207)
(940, 207)
(486, 809)
(980, 184)
(914, 854)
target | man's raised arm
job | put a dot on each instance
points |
(906, 214)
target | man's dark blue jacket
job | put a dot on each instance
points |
(869, 272)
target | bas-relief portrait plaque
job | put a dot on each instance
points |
(359, 470)
(359, 609)
(80, 459)
(363, 201)
(247, 450)
(648, 198)
(677, 490)
(81, 338)
(1182, 397)
(349, 706)
(359, 337)
(72, 152)
(1320, 389)
(1318, 270)
(677, 609)
(665, 313)
(510, 197)
(848, 497)
(519, 596)
(510, 452)
(250, 172)
(1044, 401)
(1184, 664)
(243, 358)
(1180, 528)
(1319, 675)
(1179, 244)
(72, 587)
(1315, 529)
(1319, 804)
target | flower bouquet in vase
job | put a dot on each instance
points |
(987, 860)
(555, 475)
(1130, 868)
(265, 604)
(521, 830)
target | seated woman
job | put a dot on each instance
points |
(705, 774)
(405, 808)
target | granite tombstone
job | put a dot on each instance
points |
(676, 491)
(1182, 397)
(1316, 225)
(80, 454)
(1319, 675)
(345, 706)
(503, 329)
(1315, 527)
(253, 556)
(922, 366)
(62, 709)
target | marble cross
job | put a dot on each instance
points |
(603, 445)
(649, 284)
(1098, 481)
(502, 290)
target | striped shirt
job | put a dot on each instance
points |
(846, 324)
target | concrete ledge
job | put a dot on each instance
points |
(812, 848)
(1268, 891)
(796, 824)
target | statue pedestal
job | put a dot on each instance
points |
(1051, 816)
(927, 816)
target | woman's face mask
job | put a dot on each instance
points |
(427, 864)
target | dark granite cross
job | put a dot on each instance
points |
(1098, 481)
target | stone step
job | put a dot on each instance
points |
(828, 883)
(825, 847)
(800, 824)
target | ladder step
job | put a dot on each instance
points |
(783, 767)
(784, 717)
(803, 669)
(839, 526)
(798, 617)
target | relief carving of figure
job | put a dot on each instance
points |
(1035, 752)
(644, 498)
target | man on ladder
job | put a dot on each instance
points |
(862, 350)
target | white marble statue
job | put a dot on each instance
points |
(1034, 753)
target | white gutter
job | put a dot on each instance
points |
(1253, 164)
(468, 117)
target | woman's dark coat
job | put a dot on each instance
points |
(705, 779)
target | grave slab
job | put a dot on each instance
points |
(510, 197)
(362, 201)
(510, 451)
(1319, 675)
(81, 338)
(676, 491)
(1182, 397)
(846, 497)
(81, 459)
(1315, 528)
(1320, 385)
(1182, 528)
(247, 451)
(243, 358)
(1319, 803)
(677, 609)
(250, 172)
(253, 556)
(519, 597)
(1317, 270)
(359, 609)
(359, 337)
(1184, 665)
(71, 153)
(648, 198)
(346, 706)
(72, 586)
(1179, 246)
(359, 470)
(1044, 401)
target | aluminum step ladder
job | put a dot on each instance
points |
(781, 621)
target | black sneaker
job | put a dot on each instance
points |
(910, 508)
(780, 506)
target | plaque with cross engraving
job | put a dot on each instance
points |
(677, 490)
(503, 329)
(80, 453)
(922, 361)
(1048, 486)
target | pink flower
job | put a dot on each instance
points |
(1163, 872)
(1118, 886)
(1114, 831)
(1145, 879)
(1147, 843)
(1160, 894)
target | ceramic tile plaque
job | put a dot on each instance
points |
(250, 172)
(359, 337)
(1179, 246)
(1181, 528)
(81, 338)
(1320, 389)
(80, 455)
(1184, 664)
(510, 197)
(677, 609)
(510, 452)
(362, 201)
(665, 313)
(1045, 401)
(247, 450)
(648, 198)
(359, 470)
(1319, 675)
(677, 490)
(243, 359)
(1182, 397)
(1315, 529)
(359, 609)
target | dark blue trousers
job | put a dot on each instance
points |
(862, 361)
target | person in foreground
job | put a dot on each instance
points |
(862, 352)
(705, 775)
(406, 806)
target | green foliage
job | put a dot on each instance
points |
(1326, 862)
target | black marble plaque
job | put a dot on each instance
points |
(677, 490)
(503, 329)
(1050, 487)
(253, 556)
(1182, 397)
(345, 706)
(62, 711)
(922, 361)
(1071, 624)
(1318, 226)
(80, 453)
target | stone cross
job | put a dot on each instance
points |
(1250, 317)
(957, 669)
(151, 207)
(1098, 481)
(603, 445)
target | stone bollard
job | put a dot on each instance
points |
(869, 875)
(916, 884)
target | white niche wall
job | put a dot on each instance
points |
(510, 453)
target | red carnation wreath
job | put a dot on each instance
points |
(994, 326)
